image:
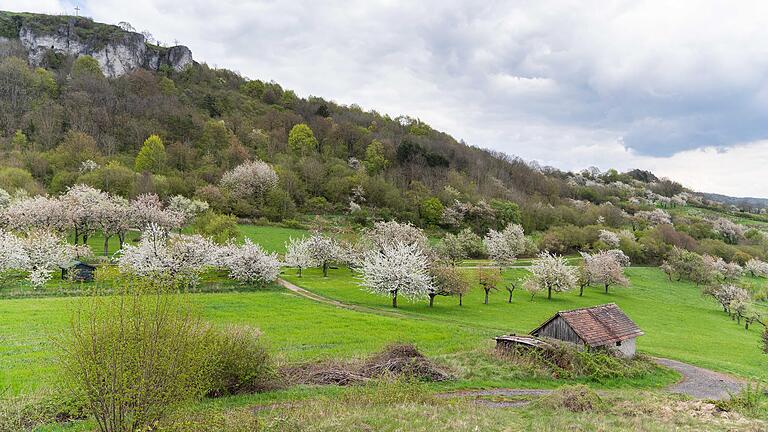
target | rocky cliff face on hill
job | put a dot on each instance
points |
(118, 51)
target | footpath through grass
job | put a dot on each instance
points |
(679, 323)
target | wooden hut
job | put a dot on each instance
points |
(78, 270)
(604, 326)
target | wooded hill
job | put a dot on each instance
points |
(63, 122)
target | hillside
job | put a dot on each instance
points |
(184, 248)
(67, 118)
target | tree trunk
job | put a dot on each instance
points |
(486, 296)
(325, 269)
(510, 297)
(606, 288)
(76, 235)
(581, 290)
(299, 271)
(121, 239)
(394, 299)
(460, 296)
(431, 299)
(106, 246)
(549, 293)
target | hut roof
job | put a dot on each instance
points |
(598, 325)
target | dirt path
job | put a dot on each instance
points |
(325, 300)
(702, 383)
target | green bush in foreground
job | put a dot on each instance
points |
(242, 363)
(132, 357)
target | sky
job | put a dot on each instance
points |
(679, 88)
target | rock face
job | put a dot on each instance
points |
(117, 51)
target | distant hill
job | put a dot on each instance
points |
(741, 202)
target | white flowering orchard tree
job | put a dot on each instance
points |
(299, 255)
(384, 234)
(251, 179)
(550, 272)
(730, 231)
(13, 255)
(113, 218)
(756, 268)
(174, 256)
(249, 263)
(46, 253)
(728, 295)
(721, 270)
(187, 208)
(40, 212)
(82, 208)
(504, 246)
(606, 268)
(323, 251)
(399, 269)
(147, 209)
(655, 217)
(610, 238)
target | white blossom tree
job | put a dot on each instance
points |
(384, 234)
(174, 256)
(82, 205)
(40, 212)
(46, 253)
(655, 217)
(13, 255)
(147, 209)
(249, 263)
(323, 251)
(298, 254)
(730, 231)
(504, 246)
(606, 268)
(113, 218)
(251, 179)
(728, 295)
(399, 269)
(187, 208)
(756, 267)
(550, 272)
(610, 238)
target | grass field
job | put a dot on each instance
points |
(678, 321)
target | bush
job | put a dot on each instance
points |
(133, 356)
(242, 362)
(561, 360)
(220, 228)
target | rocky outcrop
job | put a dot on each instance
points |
(117, 51)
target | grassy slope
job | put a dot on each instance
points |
(679, 323)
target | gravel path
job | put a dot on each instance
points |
(702, 383)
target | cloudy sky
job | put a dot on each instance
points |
(680, 87)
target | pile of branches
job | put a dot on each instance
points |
(397, 360)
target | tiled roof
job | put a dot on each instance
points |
(599, 325)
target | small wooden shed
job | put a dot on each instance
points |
(604, 326)
(79, 270)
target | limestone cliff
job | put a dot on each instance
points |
(118, 51)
